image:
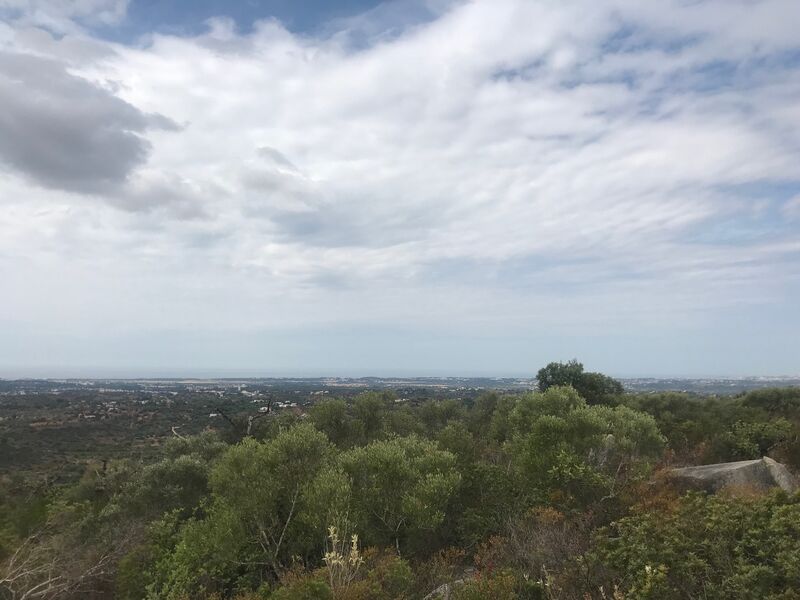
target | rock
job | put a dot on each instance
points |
(445, 591)
(758, 475)
(442, 592)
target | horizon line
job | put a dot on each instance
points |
(217, 374)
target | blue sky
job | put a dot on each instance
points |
(420, 186)
(188, 17)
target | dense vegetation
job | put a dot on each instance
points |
(545, 494)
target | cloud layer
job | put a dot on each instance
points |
(579, 170)
(65, 132)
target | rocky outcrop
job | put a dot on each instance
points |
(758, 475)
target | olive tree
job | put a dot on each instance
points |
(401, 487)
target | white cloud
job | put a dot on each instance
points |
(64, 132)
(478, 164)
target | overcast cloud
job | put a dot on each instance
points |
(481, 188)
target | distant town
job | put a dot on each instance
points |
(344, 386)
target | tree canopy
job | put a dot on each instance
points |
(595, 388)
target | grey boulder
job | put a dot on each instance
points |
(758, 475)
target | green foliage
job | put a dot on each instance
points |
(388, 577)
(132, 571)
(775, 401)
(332, 419)
(305, 589)
(485, 498)
(169, 484)
(480, 413)
(709, 430)
(560, 446)
(205, 446)
(595, 388)
(435, 415)
(500, 423)
(369, 413)
(403, 422)
(364, 421)
(385, 577)
(269, 502)
(494, 586)
(204, 558)
(748, 440)
(401, 487)
(709, 547)
(540, 487)
(457, 439)
(23, 510)
(559, 374)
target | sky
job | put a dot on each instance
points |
(417, 187)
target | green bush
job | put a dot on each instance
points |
(709, 546)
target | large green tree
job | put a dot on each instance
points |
(269, 502)
(595, 388)
(560, 447)
(401, 487)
